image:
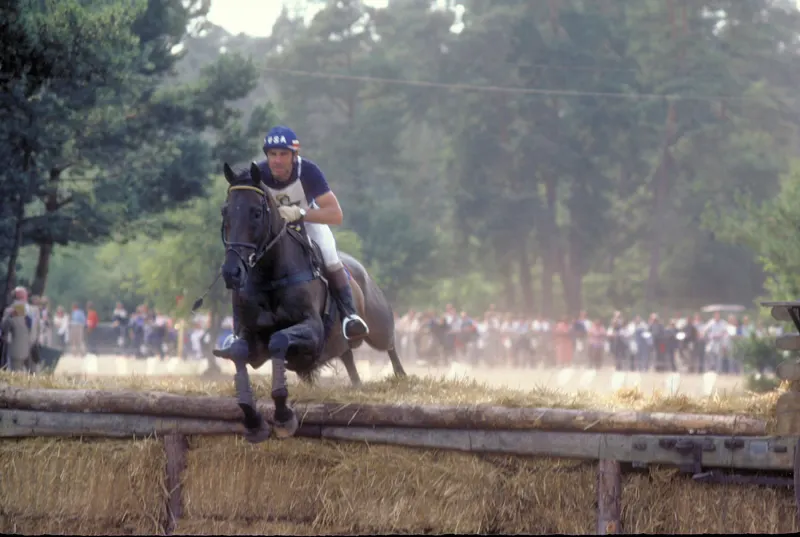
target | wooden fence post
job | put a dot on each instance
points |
(609, 492)
(787, 408)
(176, 447)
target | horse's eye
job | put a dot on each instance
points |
(257, 213)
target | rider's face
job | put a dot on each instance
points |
(280, 163)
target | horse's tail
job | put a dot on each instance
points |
(309, 370)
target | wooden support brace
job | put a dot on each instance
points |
(609, 493)
(176, 447)
(797, 484)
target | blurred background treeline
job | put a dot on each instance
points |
(547, 156)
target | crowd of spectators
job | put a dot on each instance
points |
(696, 343)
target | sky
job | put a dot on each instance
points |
(254, 17)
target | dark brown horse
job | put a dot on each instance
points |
(283, 311)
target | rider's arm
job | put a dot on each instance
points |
(316, 188)
(329, 211)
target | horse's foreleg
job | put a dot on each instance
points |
(257, 428)
(298, 339)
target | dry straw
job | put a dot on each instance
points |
(306, 487)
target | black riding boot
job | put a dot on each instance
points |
(353, 326)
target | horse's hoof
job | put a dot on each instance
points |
(222, 353)
(259, 434)
(287, 429)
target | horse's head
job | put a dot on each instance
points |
(250, 222)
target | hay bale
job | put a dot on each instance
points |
(350, 488)
(244, 527)
(326, 488)
(45, 525)
(544, 496)
(662, 501)
(305, 487)
(66, 486)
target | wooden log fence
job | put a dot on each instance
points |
(694, 442)
(383, 415)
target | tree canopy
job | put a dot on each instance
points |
(546, 156)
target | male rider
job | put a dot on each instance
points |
(302, 193)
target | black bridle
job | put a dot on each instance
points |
(258, 250)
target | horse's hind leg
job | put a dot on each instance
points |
(399, 371)
(350, 366)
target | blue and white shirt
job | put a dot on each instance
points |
(305, 185)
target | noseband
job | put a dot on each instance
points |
(258, 250)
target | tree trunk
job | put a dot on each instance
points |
(572, 273)
(11, 271)
(550, 250)
(42, 268)
(51, 205)
(660, 192)
(525, 283)
(508, 283)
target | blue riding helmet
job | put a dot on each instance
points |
(281, 137)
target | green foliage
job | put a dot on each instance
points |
(759, 356)
(770, 228)
(99, 146)
(643, 166)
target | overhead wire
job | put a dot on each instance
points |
(505, 89)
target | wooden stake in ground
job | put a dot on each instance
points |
(176, 447)
(609, 493)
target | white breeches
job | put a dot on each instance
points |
(323, 236)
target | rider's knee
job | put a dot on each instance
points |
(323, 236)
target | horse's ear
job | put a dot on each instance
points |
(229, 175)
(255, 173)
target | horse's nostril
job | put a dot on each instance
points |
(236, 272)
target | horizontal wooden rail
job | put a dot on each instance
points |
(759, 453)
(383, 415)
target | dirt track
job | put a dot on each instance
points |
(568, 380)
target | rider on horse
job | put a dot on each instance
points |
(300, 189)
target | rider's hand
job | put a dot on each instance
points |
(290, 213)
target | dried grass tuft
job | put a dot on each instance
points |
(66, 486)
(243, 527)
